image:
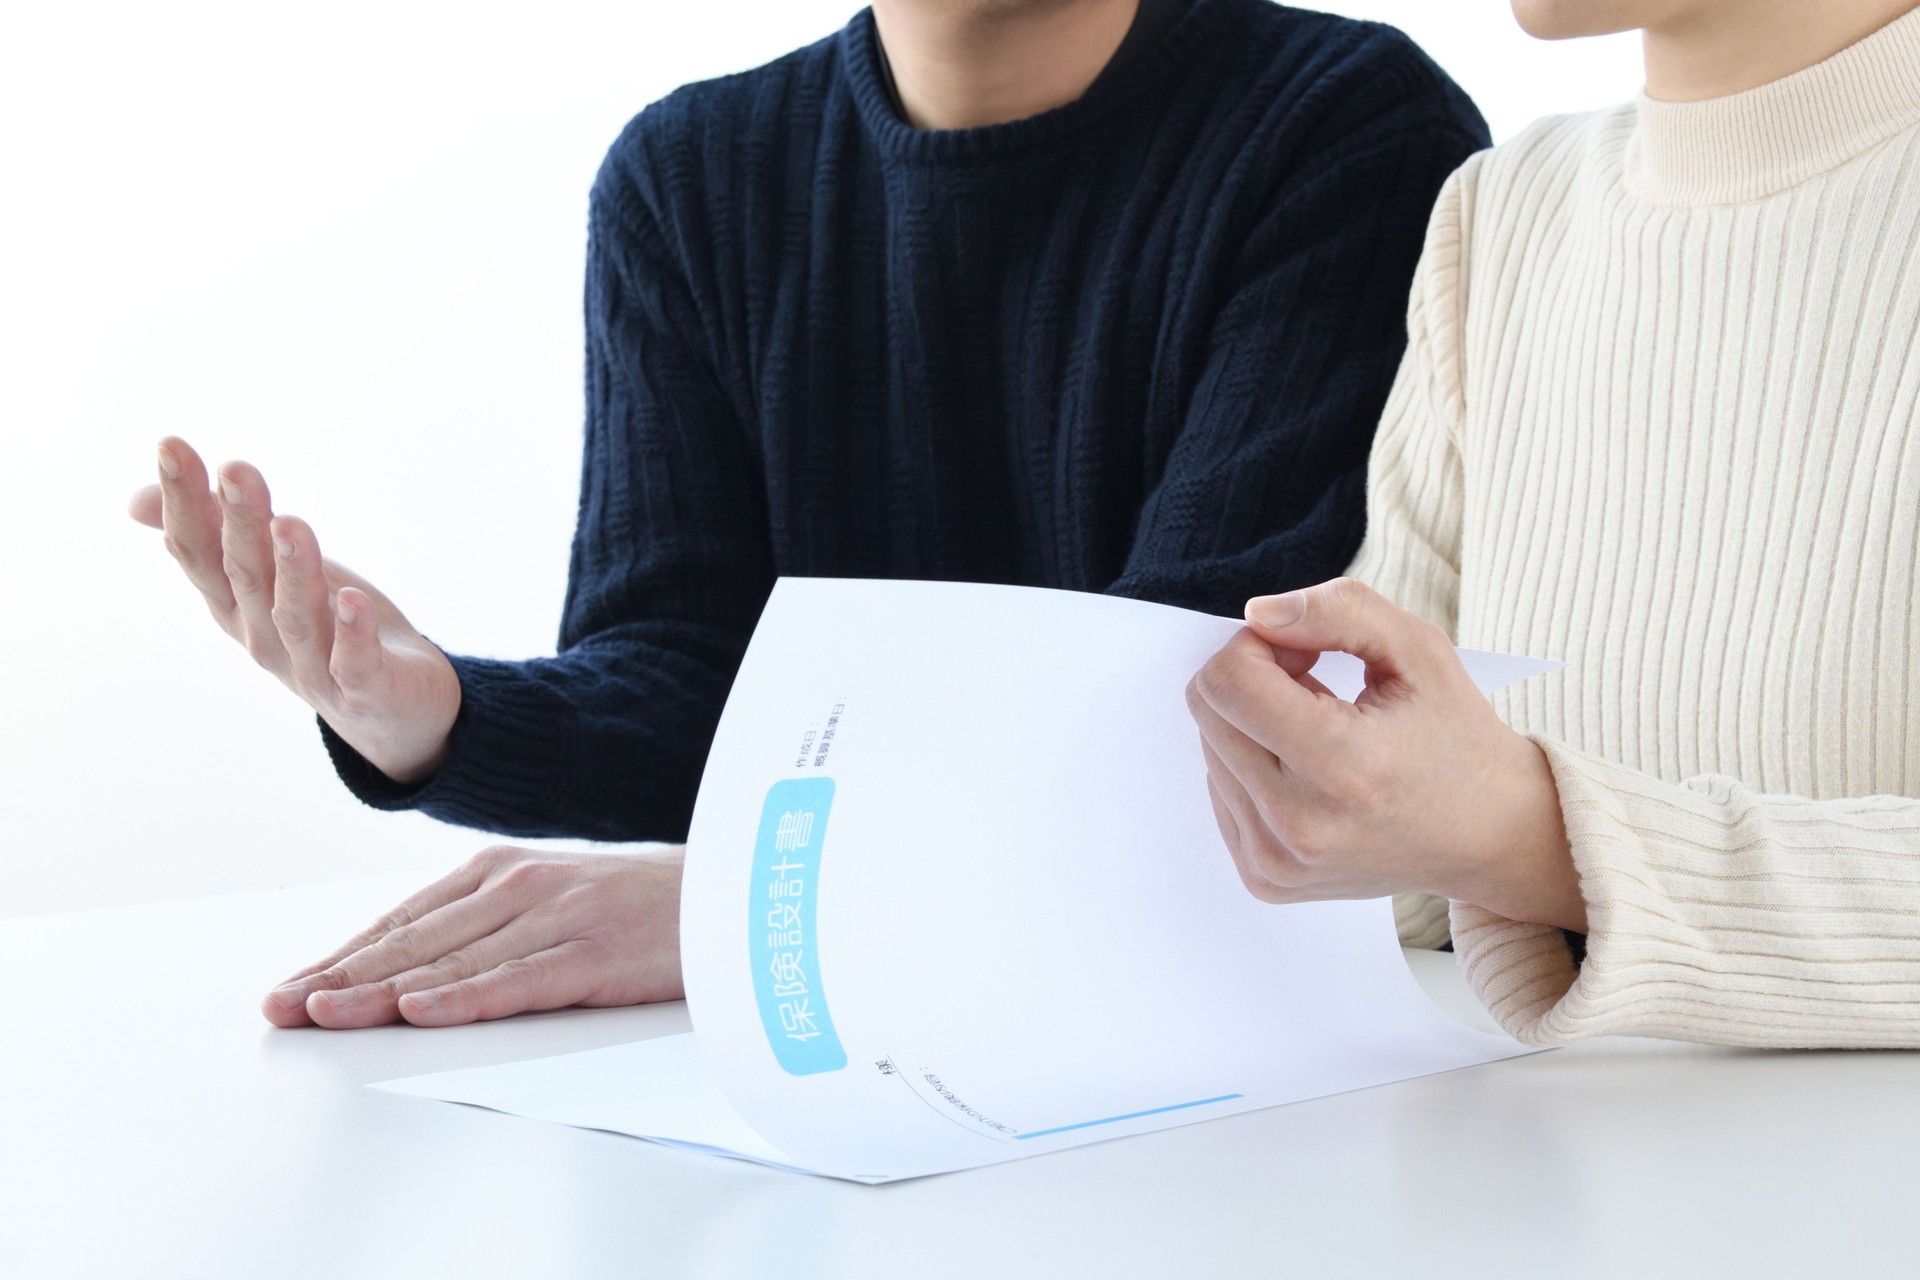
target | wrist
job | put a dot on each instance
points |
(1522, 867)
(408, 756)
(408, 768)
(411, 747)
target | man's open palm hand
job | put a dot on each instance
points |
(327, 633)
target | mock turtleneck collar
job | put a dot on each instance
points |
(1750, 145)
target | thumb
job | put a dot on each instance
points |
(357, 657)
(1350, 617)
(385, 611)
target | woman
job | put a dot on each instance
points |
(1658, 419)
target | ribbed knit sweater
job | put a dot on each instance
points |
(1136, 344)
(1658, 418)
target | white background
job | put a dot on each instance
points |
(345, 243)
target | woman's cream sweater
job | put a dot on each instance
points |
(1660, 418)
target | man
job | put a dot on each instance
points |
(1077, 293)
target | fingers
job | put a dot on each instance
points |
(373, 1001)
(1350, 616)
(1243, 686)
(1267, 820)
(1239, 823)
(191, 521)
(522, 931)
(434, 935)
(261, 575)
(1238, 769)
(286, 1004)
(1223, 817)
(1295, 662)
(246, 548)
(1263, 807)
(552, 979)
(302, 612)
(1232, 750)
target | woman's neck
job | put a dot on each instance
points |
(1712, 49)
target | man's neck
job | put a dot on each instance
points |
(1709, 50)
(960, 64)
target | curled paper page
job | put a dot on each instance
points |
(955, 895)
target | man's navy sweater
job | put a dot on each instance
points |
(1137, 344)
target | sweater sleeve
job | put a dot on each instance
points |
(1716, 914)
(671, 564)
(1415, 482)
(1264, 486)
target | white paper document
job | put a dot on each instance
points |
(955, 895)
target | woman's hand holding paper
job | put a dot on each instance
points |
(1414, 787)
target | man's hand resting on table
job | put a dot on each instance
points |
(511, 931)
(323, 630)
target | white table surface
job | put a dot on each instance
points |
(155, 1126)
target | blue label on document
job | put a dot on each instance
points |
(780, 927)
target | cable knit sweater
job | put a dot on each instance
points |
(1658, 418)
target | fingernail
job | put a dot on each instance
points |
(290, 996)
(421, 999)
(282, 546)
(339, 999)
(230, 491)
(169, 465)
(349, 614)
(1277, 611)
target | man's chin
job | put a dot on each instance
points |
(1572, 19)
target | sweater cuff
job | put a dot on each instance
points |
(368, 785)
(501, 727)
(1421, 920)
(1527, 974)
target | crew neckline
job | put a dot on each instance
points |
(1750, 145)
(1131, 85)
(1151, 20)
